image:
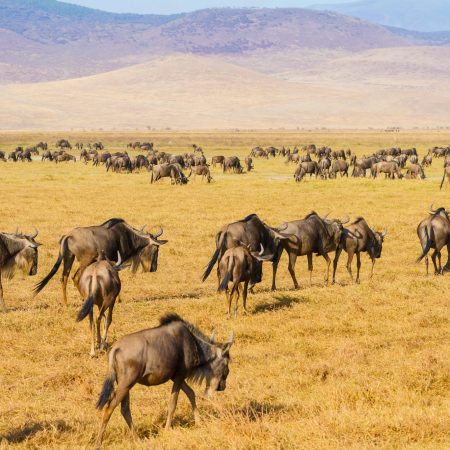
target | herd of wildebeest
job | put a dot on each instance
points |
(176, 350)
(322, 162)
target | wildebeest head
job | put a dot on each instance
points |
(217, 381)
(378, 243)
(21, 253)
(147, 256)
(335, 228)
(440, 211)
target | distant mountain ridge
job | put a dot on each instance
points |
(416, 15)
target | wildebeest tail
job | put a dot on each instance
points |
(86, 308)
(108, 384)
(62, 248)
(227, 277)
(427, 245)
(220, 244)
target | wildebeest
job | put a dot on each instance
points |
(65, 157)
(415, 171)
(427, 160)
(299, 174)
(390, 168)
(251, 232)
(115, 235)
(339, 166)
(2, 156)
(177, 351)
(63, 143)
(47, 154)
(358, 237)
(99, 284)
(249, 163)
(434, 232)
(232, 163)
(17, 252)
(172, 171)
(313, 234)
(446, 174)
(237, 266)
(217, 160)
(201, 170)
(310, 167)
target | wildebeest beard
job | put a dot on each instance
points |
(147, 258)
(17, 256)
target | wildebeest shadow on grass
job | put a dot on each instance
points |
(28, 430)
(279, 302)
(255, 410)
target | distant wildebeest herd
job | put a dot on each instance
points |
(320, 162)
(176, 350)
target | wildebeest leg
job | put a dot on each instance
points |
(335, 262)
(328, 260)
(126, 413)
(439, 261)
(358, 265)
(433, 258)
(2, 302)
(191, 396)
(291, 268)
(426, 264)
(310, 267)
(67, 266)
(98, 323)
(119, 395)
(108, 321)
(447, 265)
(244, 297)
(349, 264)
(229, 299)
(173, 401)
(373, 264)
(275, 262)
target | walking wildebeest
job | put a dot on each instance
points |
(434, 232)
(237, 266)
(249, 163)
(358, 237)
(339, 166)
(313, 234)
(415, 171)
(390, 168)
(17, 252)
(177, 351)
(251, 232)
(115, 235)
(99, 284)
(217, 160)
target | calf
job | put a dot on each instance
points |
(99, 284)
(238, 266)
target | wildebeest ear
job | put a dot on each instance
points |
(213, 335)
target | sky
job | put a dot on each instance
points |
(176, 6)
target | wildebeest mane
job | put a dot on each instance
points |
(358, 220)
(249, 217)
(312, 213)
(9, 247)
(111, 223)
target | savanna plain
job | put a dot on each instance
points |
(342, 366)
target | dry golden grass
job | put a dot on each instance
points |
(345, 366)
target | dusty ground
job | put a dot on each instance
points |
(345, 366)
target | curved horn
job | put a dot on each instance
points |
(282, 228)
(119, 260)
(161, 231)
(212, 337)
(347, 220)
(143, 227)
(231, 339)
(384, 233)
(262, 250)
(36, 232)
(431, 209)
(326, 215)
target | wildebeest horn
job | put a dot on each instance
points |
(347, 220)
(212, 337)
(431, 209)
(262, 249)
(384, 233)
(143, 227)
(283, 227)
(161, 231)
(119, 259)
(36, 232)
(231, 339)
(326, 215)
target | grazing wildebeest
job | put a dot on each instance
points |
(111, 237)
(259, 152)
(141, 161)
(63, 143)
(177, 159)
(339, 166)
(201, 170)
(99, 284)
(217, 160)
(42, 145)
(232, 163)
(238, 265)
(324, 166)
(249, 163)
(292, 157)
(313, 234)
(12, 156)
(358, 237)
(101, 159)
(172, 171)
(415, 171)
(47, 154)
(2, 156)
(251, 232)
(390, 168)
(446, 174)
(24, 156)
(311, 168)
(427, 160)
(177, 351)
(299, 174)
(65, 157)
(17, 252)
(434, 232)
